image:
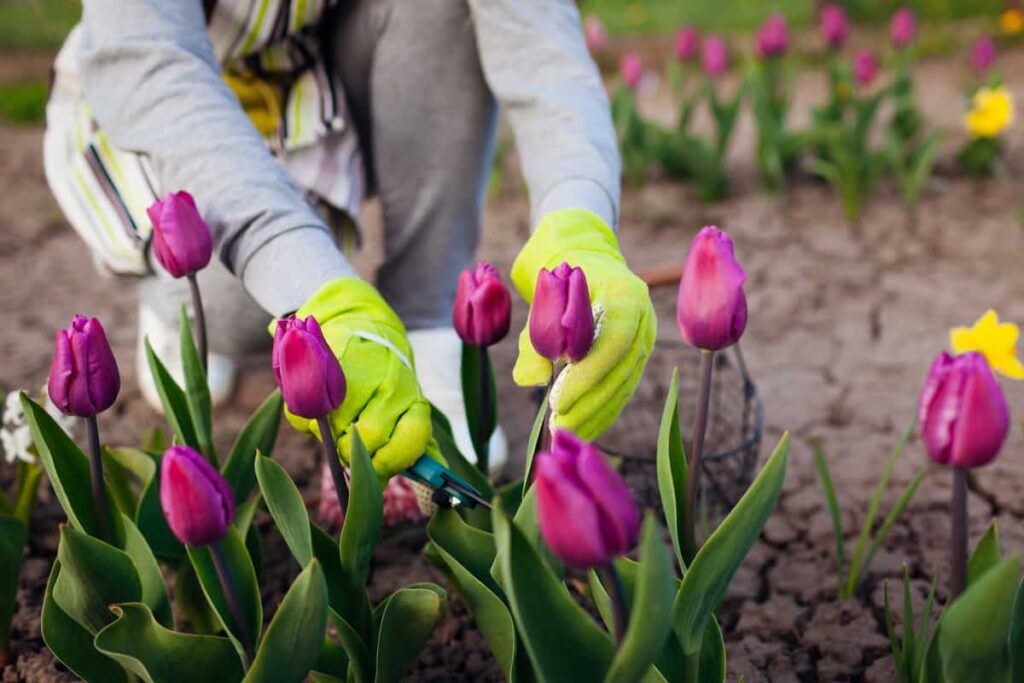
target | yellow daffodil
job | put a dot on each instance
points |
(995, 340)
(991, 112)
(1011, 22)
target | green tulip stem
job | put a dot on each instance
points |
(958, 547)
(200, 320)
(617, 595)
(486, 401)
(334, 463)
(99, 491)
(227, 583)
(700, 425)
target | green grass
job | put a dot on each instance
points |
(36, 24)
(23, 102)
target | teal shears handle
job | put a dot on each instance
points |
(449, 488)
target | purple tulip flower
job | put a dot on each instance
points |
(306, 369)
(962, 412)
(773, 37)
(84, 379)
(181, 238)
(834, 26)
(561, 320)
(903, 28)
(586, 513)
(711, 309)
(595, 34)
(714, 56)
(197, 502)
(983, 54)
(865, 68)
(631, 69)
(483, 306)
(687, 45)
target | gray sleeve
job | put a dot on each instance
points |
(154, 86)
(536, 63)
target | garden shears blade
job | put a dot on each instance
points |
(449, 489)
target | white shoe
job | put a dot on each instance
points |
(166, 343)
(438, 354)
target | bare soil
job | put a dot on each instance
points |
(842, 330)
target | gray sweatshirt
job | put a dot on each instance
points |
(154, 85)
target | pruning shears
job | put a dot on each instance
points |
(450, 490)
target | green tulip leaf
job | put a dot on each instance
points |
(671, 465)
(197, 390)
(192, 603)
(1016, 641)
(561, 639)
(295, 636)
(650, 618)
(458, 464)
(93, 575)
(974, 632)
(244, 576)
(156, 654)
(349, 607)
(71, 643)
(986, 554)
(477, 374)
(363, 517)
(533, 443)
(708, 577)
(68, 469)
(257, 436)
(405, 622)
(13, 534)
(148, 513)
(151, 581)
(173, 399)
(286, 507)
(331, 664)
(525, 519)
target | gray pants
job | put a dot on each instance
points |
(426, 122)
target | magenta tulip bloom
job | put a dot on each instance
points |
(306, 369)
(181, 238)
(595, 34)
(687, 45)
(197, 502)
(834, 26)
(962, 413)
(903, 28)
(773, 37)
(983, 54)
(865, 68)
(714, 56)
(483, 306)
(561, 320)
(631, 69)
(586, 513)
(84, 379)
(711, 310)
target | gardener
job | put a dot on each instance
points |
(279, 116)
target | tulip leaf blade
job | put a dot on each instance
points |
(533, 443)
(13, 534)
(363, 517)
(671, 468)
(71, 643)
(479, 394)
(295, 636)
(985, 555)
(68, 470)
(286, 507)
(244, 575)
(562, 641)
(151, 581)
(650, 623)
(155, 653)
(1016, 640)
(258, 435)
(714, 565)
(197, 390)
(405, 622)
(173, 398)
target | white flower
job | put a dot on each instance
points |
(17, 442)
(13, 414)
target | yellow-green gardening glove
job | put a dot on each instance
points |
(588, 395)
(383, 399)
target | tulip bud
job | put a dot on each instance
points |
(181, 238)
(865, 68)
(197, 502)
(711, 310)
(631, 69)
(962, 413)
(561, 320)
(773, 37)
(903, 28)
(983, 54)
(306, 369)
(84, 380)
(483, 306)
(595, 34)
(834, 26)
(687, 44)
(585, 510)
(714, 56)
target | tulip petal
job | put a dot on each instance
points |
(619, 518)
(568, 519)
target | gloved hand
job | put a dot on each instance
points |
(383, 399)
(588, 395)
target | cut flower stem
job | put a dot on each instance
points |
(99, 492)
(700, 424)
(227, 582)
(334, 462)
(617, 595)
(200, 321)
